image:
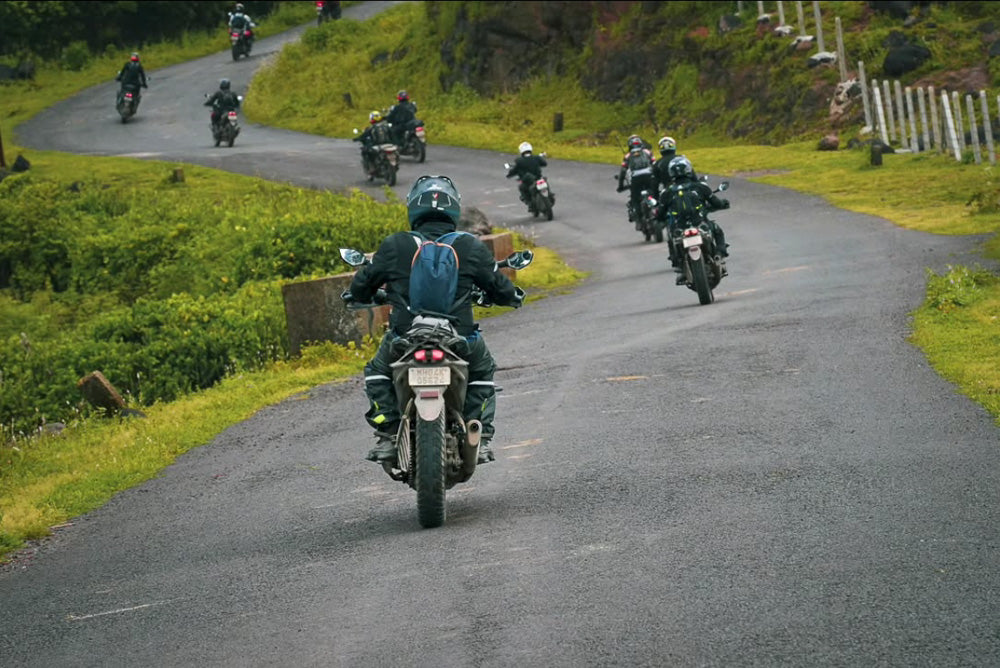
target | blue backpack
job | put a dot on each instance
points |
(434, 274)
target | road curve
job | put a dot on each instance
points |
(778, 478)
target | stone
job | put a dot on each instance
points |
(21, 164)
(100, 393)
(830, 142)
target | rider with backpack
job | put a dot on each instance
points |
(434, 207)
(688, 201)
(637, 164)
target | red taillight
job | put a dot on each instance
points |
(232, 114)
(420, 128)
(432, 355)
(128, 96)
(691, 232)
(319, 5)
(246, 33)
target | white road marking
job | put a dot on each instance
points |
(77, 618)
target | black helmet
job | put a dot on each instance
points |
(402, 96)
(680, 167)
(433, 198)
(224, 84)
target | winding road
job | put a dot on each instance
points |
(776, 479)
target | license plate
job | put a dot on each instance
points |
(429, 375)
(694, 240)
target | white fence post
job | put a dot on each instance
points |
(781, 13)
(923, 120)
(819, 26)
(949, 125)
(881, 114)
(841, 56)
(888, 104)
(956, 109)
(902, 114)
(802, 18)
(913, 120)
(864, 95)
(932, 102)
(973, 130)
(987, 127)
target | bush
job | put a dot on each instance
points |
(76, 56)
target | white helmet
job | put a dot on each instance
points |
(525, 147)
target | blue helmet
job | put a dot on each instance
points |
(433, 198)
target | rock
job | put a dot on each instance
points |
(21, 164)
(783, 31)
(822, 58)
(844, 96)
(904, 58)
(830, 142)
(802, 43)
(100, 393)
(475, 221)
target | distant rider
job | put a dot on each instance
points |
(132, 76)
(433, 208)
(222, 102)
(401, 117)
(668, 151)
(376, 134)
(683, 177)
(637, 164)
(238, 20)
(527, 168)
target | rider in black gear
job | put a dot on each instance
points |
(375, 134)
(132, 76)
(668, 150)
(682, 175)
(222, 102)
(434, 207)
(638, 165)
(527, 168)
(401, 117)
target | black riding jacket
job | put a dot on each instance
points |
(132, 74)
(402, 113)
(223, 101)
(391, 267)
(527, 168)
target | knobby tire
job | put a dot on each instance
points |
(430, 471)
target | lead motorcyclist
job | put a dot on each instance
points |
(638, 165)
(682, 176)
(401, 117)
(433, 208)
(528, 168)
(131, 76)
(238, 20)
(668, 151)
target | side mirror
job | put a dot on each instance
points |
(519, 259)
(506, 165)
(355, 258)
(355, 131)
(724, 185)
(239, 97)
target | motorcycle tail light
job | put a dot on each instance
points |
(430, 355)
(232, 114)
(246, 33)
(690, 232)
(128, 96)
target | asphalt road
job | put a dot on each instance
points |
(776, 479)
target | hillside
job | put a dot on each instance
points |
(693, 69)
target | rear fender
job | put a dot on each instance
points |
(429, 402)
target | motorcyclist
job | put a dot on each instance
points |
(637, 164)
(668, 151)
(131, 76)
(433, 208)
(528, 169)
(376, 134)
(222, 102)
(401, 117)
(238, 20)
(682, 176)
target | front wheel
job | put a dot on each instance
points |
(429, 466)
(700, 278)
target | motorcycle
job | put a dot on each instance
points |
(436, 447)
(384, 162)
(645, 220)
(241, 41)
(228, 127)
(702, 268)
(128, 102)
(414, 141)
(326, 11)
(541, 199)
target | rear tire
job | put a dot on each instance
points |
(230, 142)
(236, 53)
(429, 466)
(657, 233)
(422, 151)
(700, 278)
(392, 177)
